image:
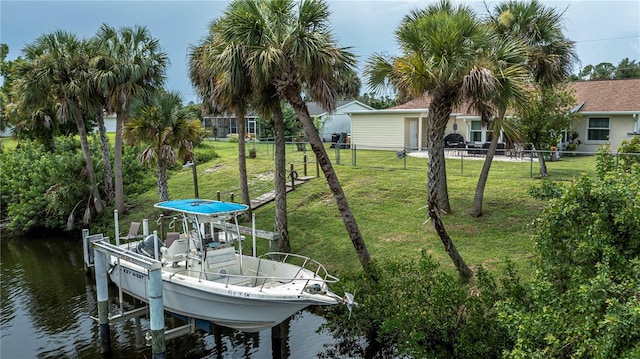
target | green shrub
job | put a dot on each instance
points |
(420, 310)
(584, 298)
(629, 153)
(547, 189)
(39, 188)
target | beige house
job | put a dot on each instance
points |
(610, 112)
(405, 127)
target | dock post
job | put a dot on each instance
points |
(218, 196)
(103, 297)
(156, 314)
(85, 250)
(305, 164)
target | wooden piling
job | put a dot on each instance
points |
(305, 164)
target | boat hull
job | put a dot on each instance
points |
(248, 309)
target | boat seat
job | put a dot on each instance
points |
(176, 248)
(222, 261)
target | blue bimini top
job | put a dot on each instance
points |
(202, 207)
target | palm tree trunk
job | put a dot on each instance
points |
(106, 158)
(439, 112)
(86, 154)
(117, 162)
(281, 221)
(476, 208)
(242, 161)
(317, 146)
(436, 162)
(443, 188)
(163, 181)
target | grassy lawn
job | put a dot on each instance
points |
(388, 202)
(387, 196)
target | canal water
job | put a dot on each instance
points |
(47, 303)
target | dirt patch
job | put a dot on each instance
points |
(213, 169)
(394, 239)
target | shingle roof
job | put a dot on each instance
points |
(608, 95)
(595, 96)
(424, 102)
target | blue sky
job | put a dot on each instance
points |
(604, 31)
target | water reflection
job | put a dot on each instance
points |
(47, 301)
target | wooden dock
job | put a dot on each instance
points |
(271, 196)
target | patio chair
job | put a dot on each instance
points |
(133, 231)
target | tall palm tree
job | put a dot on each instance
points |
(169, 133)
(442, 48)
(507, 57)
(129, 64)
(96, 106)
(550, 55)
(218, 71)
(59, 72)
(293, 49)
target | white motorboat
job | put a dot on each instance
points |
(206, 277)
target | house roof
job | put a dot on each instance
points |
(591, 96)
(608, 95)
(422, 103)
(316, 110)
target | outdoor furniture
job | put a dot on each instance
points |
(452, 140)
(134, 227)
(474, 148)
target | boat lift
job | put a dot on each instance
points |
(96, 251)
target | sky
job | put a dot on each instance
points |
(604, 31)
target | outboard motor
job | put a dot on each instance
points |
(145, 247)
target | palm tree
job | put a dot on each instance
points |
(97, 105)
(444, 52)
(169, 133)
(507, 58)
(217, 71)
(292, 50)
(206, 66)
(129, 64)
(58, 68)
(550, 55)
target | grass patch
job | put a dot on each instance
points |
(388, 202)
(387, 196)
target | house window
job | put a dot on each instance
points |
(475, 134)
(598, 129)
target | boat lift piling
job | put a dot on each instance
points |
(101, 249)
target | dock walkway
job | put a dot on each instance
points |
(271, 196)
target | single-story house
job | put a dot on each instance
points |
(609, 112)
(222, 125)
(336, 122)
(219, 126)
